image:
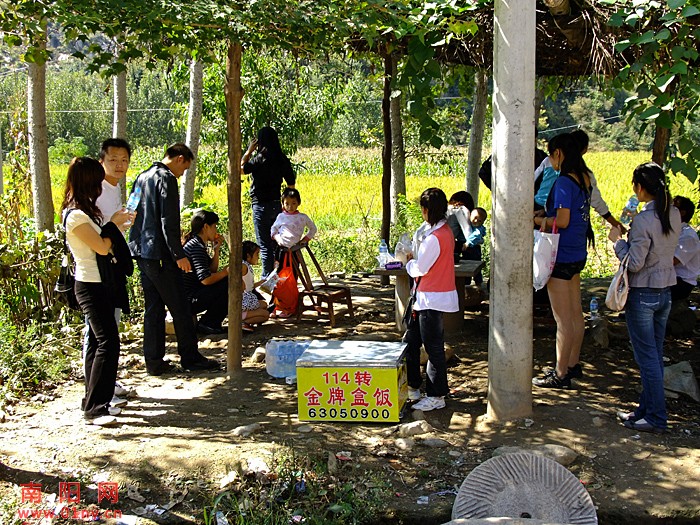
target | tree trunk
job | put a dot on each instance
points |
(510, 320)
(661, 138)
(398, 153)
(234, 94)
(120, 116)
(386, 155)
(39, 146)
(476, 135)
(194, 127)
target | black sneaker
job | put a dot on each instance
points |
(575, 372)
(158, 367)
(551, 380)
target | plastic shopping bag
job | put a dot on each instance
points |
(544, 256)
(286, 293)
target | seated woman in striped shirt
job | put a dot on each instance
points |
(206, 286)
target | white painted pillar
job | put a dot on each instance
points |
(510, 322)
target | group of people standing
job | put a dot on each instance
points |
(185, 278)
(95, 222)
(567, 191)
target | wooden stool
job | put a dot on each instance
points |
(323, 297)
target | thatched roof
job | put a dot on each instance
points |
(576, 44)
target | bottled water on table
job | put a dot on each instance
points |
(629, 211)
(383, 254)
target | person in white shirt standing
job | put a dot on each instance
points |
(432, 267)
(115, 155)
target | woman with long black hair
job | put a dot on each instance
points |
(84, 236)
(568, 205)
(650, 245)
(267, 169)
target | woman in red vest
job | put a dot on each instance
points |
(432, 268)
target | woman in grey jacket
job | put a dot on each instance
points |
(651, 243)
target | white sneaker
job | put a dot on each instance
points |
(120, 390)
(413, 394)
(118, 402)
(102, 421)
(114, 411)
(430, 403)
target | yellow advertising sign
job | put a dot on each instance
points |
(351, 394)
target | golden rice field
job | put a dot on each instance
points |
(341, 192)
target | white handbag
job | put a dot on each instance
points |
(544, 256)
(619, 287)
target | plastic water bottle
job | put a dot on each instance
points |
(134, 199)
(630, 210)
(383, 254)
(133, 202)
(594, 309)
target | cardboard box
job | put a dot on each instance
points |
(362, 381)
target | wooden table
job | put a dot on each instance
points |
(402, 291)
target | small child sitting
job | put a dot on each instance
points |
(290, 227)
(472, 246)
(254, 309)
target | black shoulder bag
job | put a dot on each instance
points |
(410, 317)
(65, 284)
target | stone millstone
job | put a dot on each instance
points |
(524, 486)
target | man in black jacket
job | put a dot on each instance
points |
(155, 243)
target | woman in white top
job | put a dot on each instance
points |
(83, 222)
(432, 266)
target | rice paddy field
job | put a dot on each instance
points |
(341, 192)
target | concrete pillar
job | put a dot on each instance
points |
(510, 323)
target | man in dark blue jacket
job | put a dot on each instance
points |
(155, 243)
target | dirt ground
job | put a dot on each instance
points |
(177, 432)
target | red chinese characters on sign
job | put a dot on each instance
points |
(31, 493)
(358, 398)
(313, 397)
(363, 378)
(69, 492)
(336, 396)
(108, 491)
(382, 397)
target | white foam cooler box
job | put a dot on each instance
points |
(359, 381)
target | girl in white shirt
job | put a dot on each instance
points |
(432, 267)
(83, 222)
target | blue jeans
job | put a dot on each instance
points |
(264, 215)
(646, 312)
(428, 331)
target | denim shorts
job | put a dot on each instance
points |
(566, 271)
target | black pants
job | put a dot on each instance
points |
(214, 299)
(102, 349)
(681, 290)
(163, 286)
(427, 330)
